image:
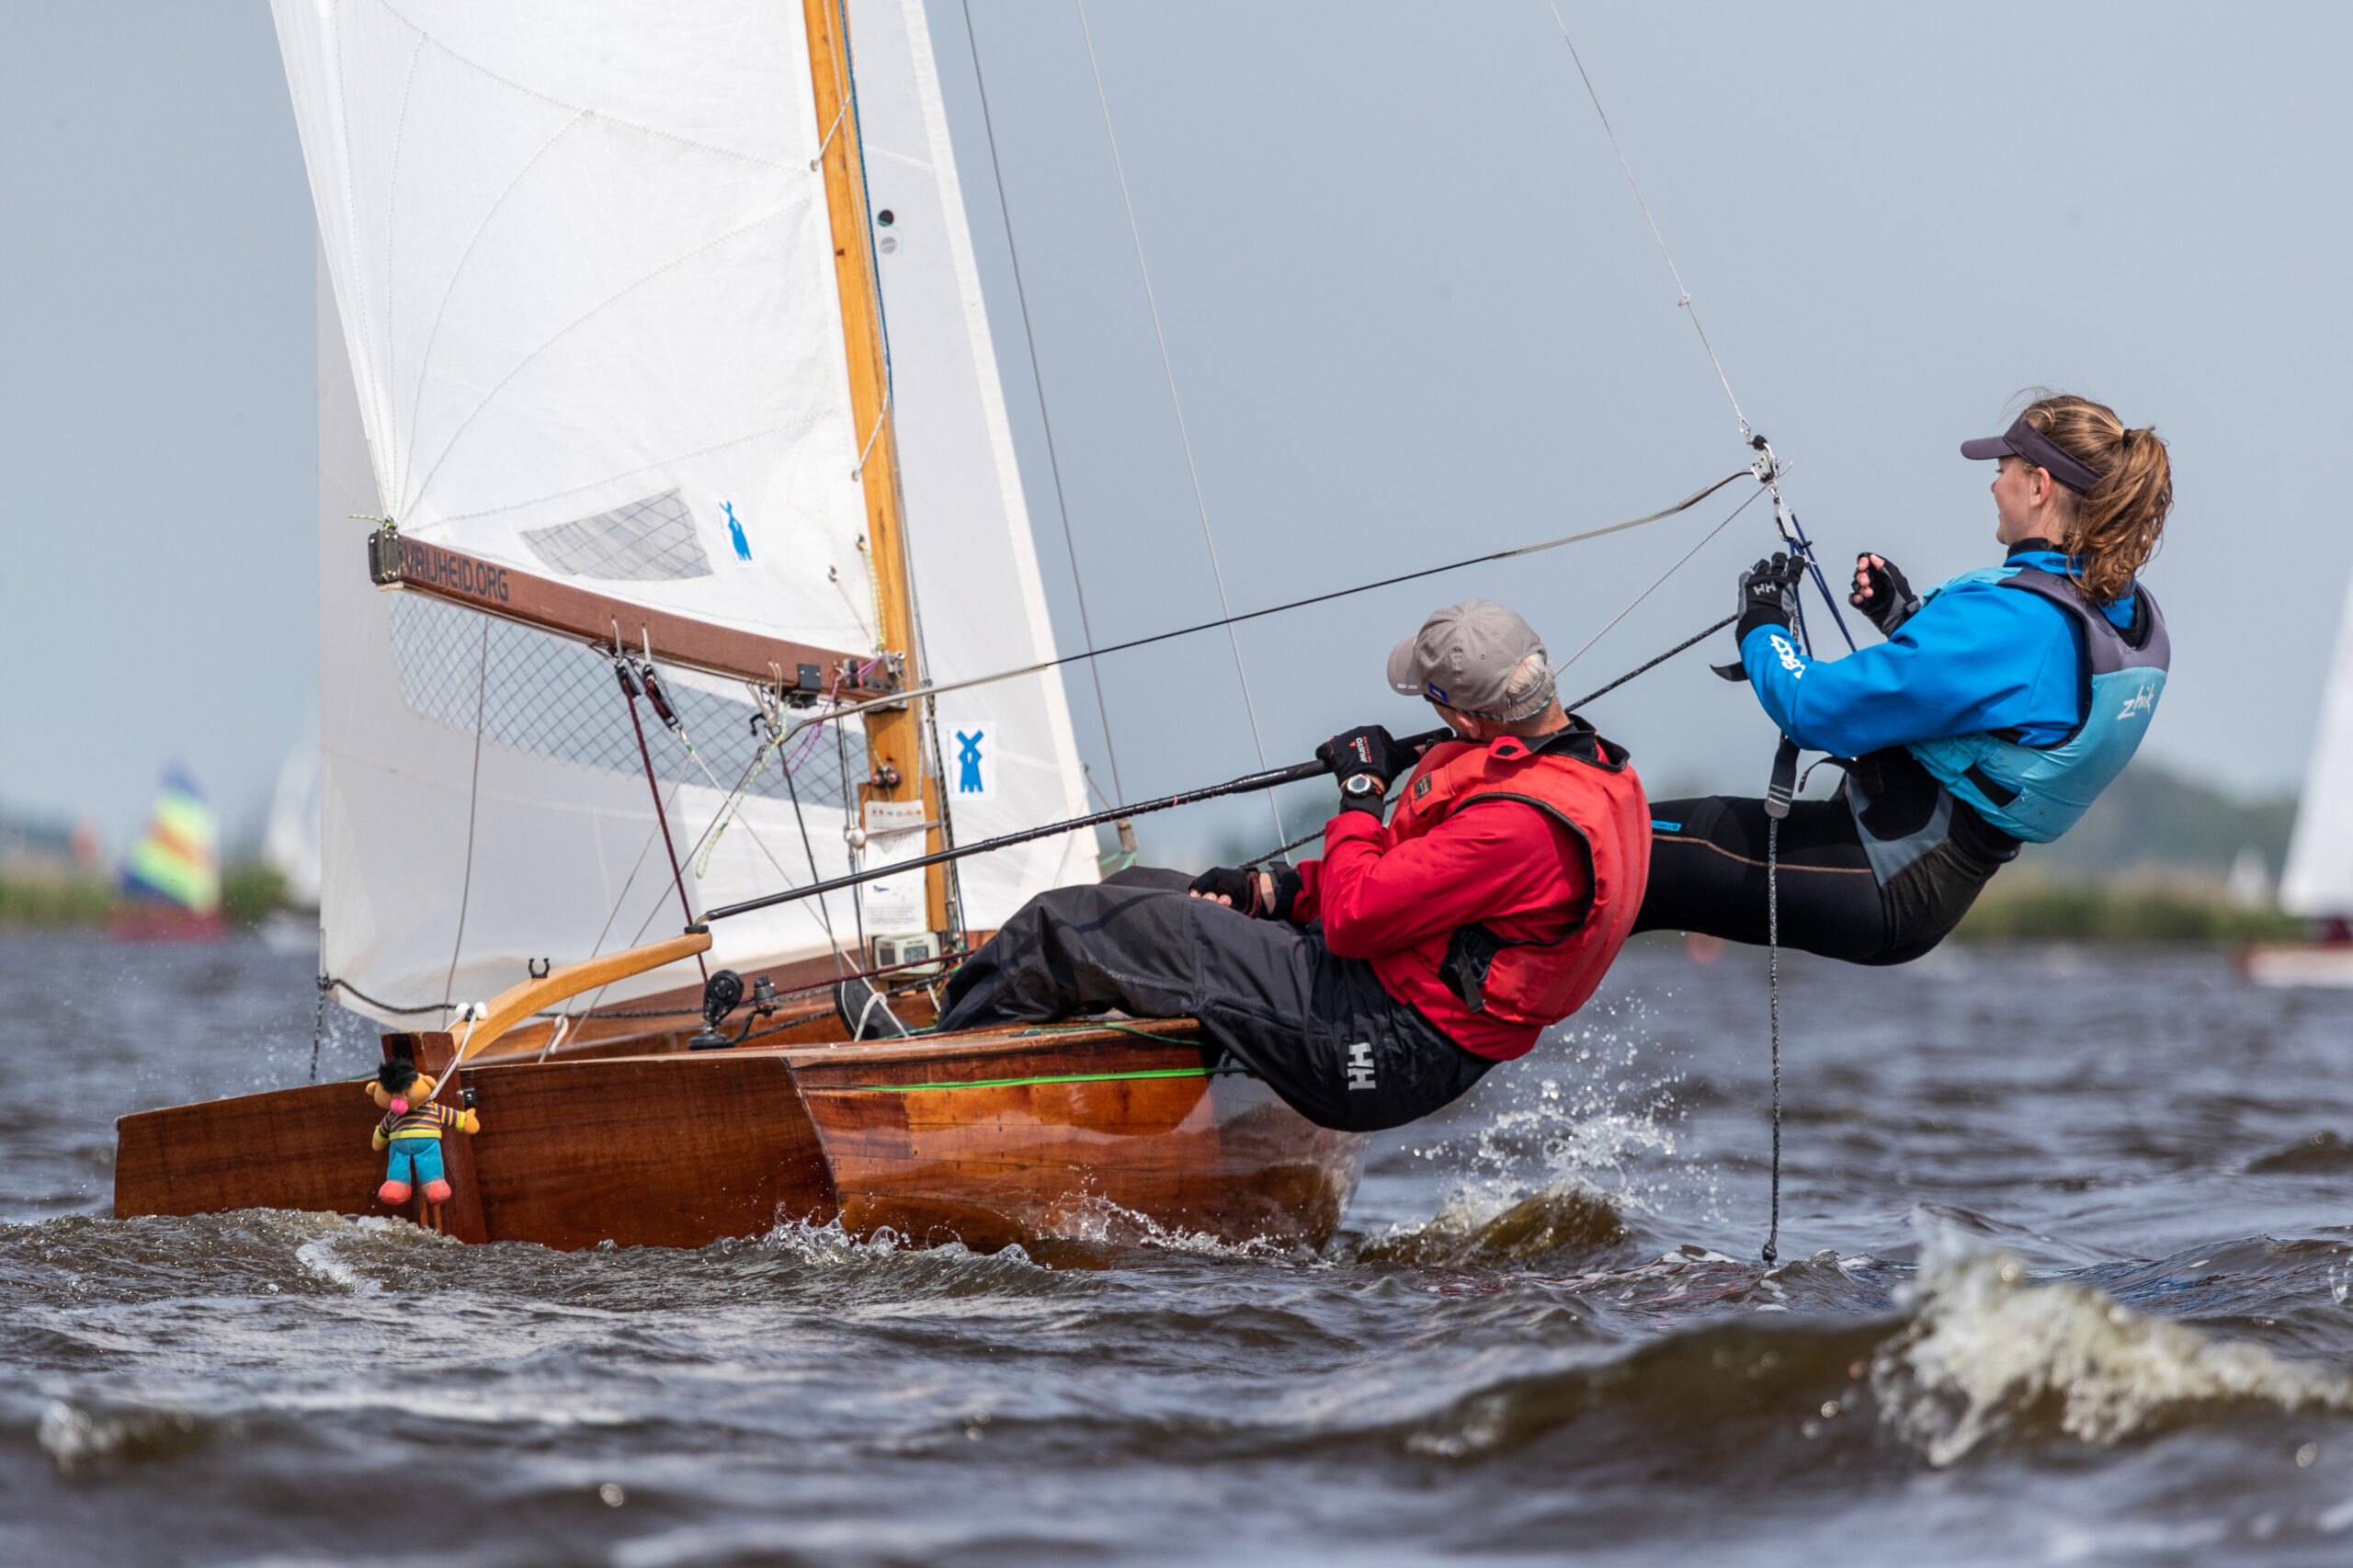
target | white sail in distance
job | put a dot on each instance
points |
(2318, 881)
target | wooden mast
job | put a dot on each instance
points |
(894, 737)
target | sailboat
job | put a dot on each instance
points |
(290, 847)
(2316, 884)
(170, 880)
(653, 356)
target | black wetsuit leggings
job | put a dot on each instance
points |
(1708, 875)
(1319, 1028)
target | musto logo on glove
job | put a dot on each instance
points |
(1366, 759)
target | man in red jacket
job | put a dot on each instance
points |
(1372, 986)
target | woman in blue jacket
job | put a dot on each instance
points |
(2000, 706)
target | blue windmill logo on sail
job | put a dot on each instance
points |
(969, 777)
(735, 533)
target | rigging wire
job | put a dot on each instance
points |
(1168, 369)
(628, 680)
(473, 798)
(1537, 548)
(1768, 467)
(1038, 379)
(1683, 294)
(1685, 560)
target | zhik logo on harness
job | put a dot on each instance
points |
(1360, 1065)
(2142, 702)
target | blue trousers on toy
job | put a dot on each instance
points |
(414, 1162)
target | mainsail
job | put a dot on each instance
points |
(2318, 881)
(581, 339)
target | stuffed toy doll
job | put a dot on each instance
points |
(412, 1129)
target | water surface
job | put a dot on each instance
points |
(2064, 1276)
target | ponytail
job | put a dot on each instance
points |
(2116, 526)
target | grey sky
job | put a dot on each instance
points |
(1414, 313)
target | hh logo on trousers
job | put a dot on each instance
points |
(1361, 1066)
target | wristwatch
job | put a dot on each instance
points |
(1364, 786)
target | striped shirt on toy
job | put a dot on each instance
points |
(419, 1122)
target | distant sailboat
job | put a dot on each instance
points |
(290, 847)
(170, 880)
(2317, 883)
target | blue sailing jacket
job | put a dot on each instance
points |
(2015, 700)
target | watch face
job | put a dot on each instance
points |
(1362, 784)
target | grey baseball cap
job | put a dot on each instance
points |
(1464, 658)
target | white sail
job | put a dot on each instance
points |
(1009, 757)
(290, 841)
(589, 298)
(483, 804)
(2318, 881)
(448, 864)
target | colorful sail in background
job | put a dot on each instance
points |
(175, 860)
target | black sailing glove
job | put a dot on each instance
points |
(1230, 884)
(1265, 895)
(1364, 759)
(1768, 594)
(1881, 592)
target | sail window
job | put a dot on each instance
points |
(552, 697)
(652, 541)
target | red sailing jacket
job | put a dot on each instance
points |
(1557, 886)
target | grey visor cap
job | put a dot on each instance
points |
(2023, 440)
(1464, 657)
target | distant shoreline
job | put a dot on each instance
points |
(34, 899)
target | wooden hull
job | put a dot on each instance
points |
(1094, 1135)
(1018, 1138)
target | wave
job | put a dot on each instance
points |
(1980, 1357)
(78, 1440)
(2323, 1153)
(1470, 1230)
(1990, 1355)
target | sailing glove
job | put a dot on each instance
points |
(1768, 594)
(1263, 895)
(1881, 593)
(1364, 759)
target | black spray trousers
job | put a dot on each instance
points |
(1317, 1028)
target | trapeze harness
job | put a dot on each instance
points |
(1583, 784)
(1882, 872)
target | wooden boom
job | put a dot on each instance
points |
(517, 1003)
(512, 593)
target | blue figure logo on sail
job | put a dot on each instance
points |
(970, 780)
(735, 533)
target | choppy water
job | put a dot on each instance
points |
(2065, 1279)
